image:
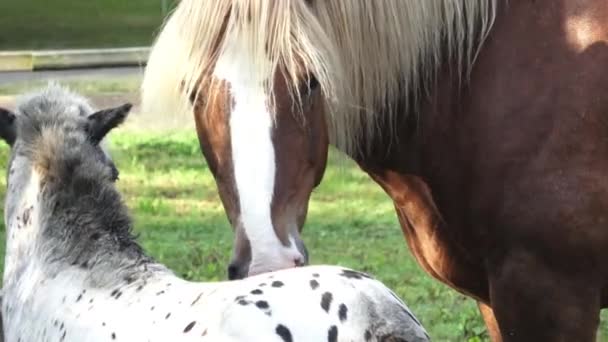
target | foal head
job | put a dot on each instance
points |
(48, 126)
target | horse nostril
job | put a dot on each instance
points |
(305, 254)
(302, 259)
(233, 272)
(299, 262)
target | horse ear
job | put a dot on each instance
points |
(103, 121)
(8, 128)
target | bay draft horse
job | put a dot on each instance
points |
(485, 121)
(74, 272)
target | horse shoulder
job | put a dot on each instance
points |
(429, 238)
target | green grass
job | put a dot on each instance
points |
(44, 24)
(181, 222)
(99, 86)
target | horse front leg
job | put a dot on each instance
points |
(535, 301)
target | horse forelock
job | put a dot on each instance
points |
(364, 54)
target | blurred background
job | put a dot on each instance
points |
(168, 187)
(58, 24)
(56, 27)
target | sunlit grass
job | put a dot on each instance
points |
(101, 86)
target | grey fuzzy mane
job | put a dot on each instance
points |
(84, 221)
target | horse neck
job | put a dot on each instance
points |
(393, 146)
(404, 122)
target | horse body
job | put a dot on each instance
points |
(491, 142)
(502, 196)
(489, 174)
(515, 165)
(509, 184)
(75, 273)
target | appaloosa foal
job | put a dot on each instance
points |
(74, 272)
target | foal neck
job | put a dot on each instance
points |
(69, 241)
(70, 220)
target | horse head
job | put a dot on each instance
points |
(258, 90)
(267, 151)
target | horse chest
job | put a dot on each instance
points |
(427, 235)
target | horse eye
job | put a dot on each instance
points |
(309, 85)
(313, 83)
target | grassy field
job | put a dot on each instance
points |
(351, 222)
(43, 24)
(113, 85)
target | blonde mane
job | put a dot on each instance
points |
(365, 54)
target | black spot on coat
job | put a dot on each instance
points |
(343, 312)
(196, 299)
(262, 304)
(332, 334)
(284, 333)
(26, 215)
(350, 274)
(189, 326)
(326, 299)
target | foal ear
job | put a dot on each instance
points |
(8, 128)
(103, 121)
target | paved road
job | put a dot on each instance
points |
(12, 77)
(99, 100)
(7, 78)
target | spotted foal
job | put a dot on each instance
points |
(74, 272)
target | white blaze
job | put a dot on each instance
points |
(253, 154)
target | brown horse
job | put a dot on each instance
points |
(485, 121)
